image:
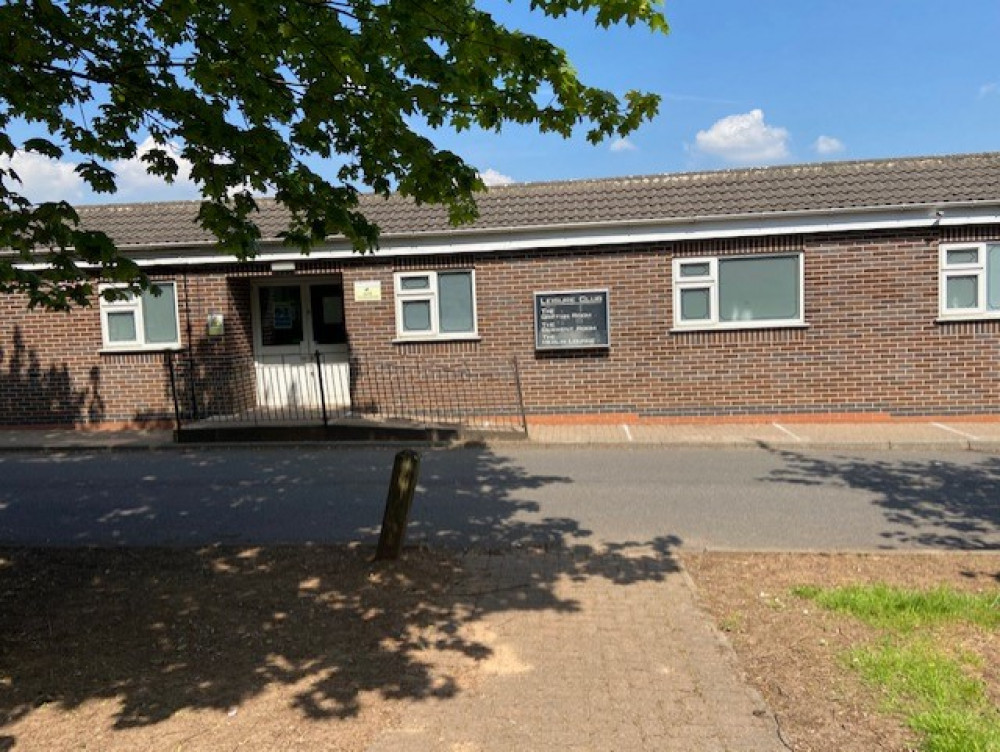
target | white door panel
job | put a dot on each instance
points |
(293, 320)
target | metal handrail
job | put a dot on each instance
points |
(241, 389)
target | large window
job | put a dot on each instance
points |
(737, 292)
(435, 305)
(970, 280)
(141, 322)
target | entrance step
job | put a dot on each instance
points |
(352, 430)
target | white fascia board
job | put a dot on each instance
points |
(624, 233)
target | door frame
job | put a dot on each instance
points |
(308, 346)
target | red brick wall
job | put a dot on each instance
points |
(872, 344)
(52, 370)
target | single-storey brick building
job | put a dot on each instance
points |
(862, 289)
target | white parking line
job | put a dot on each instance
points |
(782, 428)
(628, 433)
(955, 430)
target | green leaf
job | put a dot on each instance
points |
(255, 93)
(44, 147)
(98, 177)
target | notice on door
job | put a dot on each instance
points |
(572, 319)
(284, 315)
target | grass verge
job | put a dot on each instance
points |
(938, 689)
(903, 610)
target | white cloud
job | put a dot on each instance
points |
(492, 177)
(135, 184)
(993, 87)
(44, 179)
(744, 138)
(828, 145)
(622, 144)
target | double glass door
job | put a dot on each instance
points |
(293, 321)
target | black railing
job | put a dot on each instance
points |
(324, 388)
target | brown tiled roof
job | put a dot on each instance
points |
(669, 197)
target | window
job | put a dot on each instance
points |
(141, 322)
(435, 305)
(970, 281)
(737, 292)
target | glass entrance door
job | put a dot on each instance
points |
(293, 321)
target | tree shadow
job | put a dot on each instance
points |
(927, 502)
(210, 627)
(32, 392)
(207, 381)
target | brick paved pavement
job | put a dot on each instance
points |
(591, 652)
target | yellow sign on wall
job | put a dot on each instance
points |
(367, 290)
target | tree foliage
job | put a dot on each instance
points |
(254, 91)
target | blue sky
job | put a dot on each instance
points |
(743, 84)
(764, 81)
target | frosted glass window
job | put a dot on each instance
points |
(736, 291)
(963, 292)
(963, 256)
(121, 327)
(695, 304)
(159, 316)
(415, 283)
(970, 281)
(435, 305)
(417, 316)
(759, 289)
(695, 270)
(141, 321)
(455, 300)
(993, 277)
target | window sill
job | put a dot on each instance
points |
(134, 349)
(741, 326)
(967, 317)
(437, 338)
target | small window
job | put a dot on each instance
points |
(141, 322)
(970, 281)
(435, 305)
(737, 292)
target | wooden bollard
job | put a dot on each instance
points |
(405, 471)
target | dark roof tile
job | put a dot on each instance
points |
(766, 190)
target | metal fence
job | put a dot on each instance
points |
(322, 389)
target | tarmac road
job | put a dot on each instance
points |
(508, 496)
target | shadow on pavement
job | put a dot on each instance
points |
(466, 498)
(929, 502)
(156, 630)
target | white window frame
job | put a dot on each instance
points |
(710, 282)
(133, 304)
(978, 269)
(430, 294)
